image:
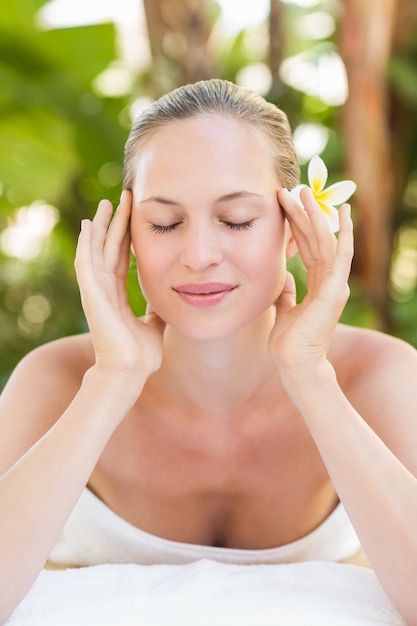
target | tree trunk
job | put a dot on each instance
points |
(178, 33)
(276, 48)
(366, 39)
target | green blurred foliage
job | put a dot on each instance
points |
(402, 77)
(62, 146)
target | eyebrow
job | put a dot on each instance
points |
(235, 195)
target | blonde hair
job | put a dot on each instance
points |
(213, 97)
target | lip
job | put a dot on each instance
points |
(203, 288)
(203, 295)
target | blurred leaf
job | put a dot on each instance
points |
(82, 52)
(19, 15)
(37, 156)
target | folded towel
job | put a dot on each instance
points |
(208, 593)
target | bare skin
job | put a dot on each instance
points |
(245, 438)
(183, 471)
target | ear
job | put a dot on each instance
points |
(291, 247)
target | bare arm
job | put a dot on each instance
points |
(377, 487)
(39, 491)
(57, 434)
(371, 458)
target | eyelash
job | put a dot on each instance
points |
(167, 229)
(241, 226)
(156, 228)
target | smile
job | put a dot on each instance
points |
(204, 295)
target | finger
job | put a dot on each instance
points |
(300, 227)
(123, 264)
(344, 246)
(83, 251)
(335, 288)
(152, 318)
(117, 243)
(293, 210)
(287, 297)
(324, 237)
(100, 225)
(83, 259)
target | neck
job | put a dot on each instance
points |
(218, 375)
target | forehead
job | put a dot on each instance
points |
(205, 147)
(209, 128)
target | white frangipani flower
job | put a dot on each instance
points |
(329, 198)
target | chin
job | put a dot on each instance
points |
(222, 326)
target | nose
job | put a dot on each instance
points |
(201, 246)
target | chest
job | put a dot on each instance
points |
(258, 485)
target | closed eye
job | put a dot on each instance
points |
(157, 228)
(239, 226)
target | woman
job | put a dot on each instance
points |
(228, 422)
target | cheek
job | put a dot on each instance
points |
(146, 259)
(268, 246)
(147, 272)
(153, 268)
(267, 260)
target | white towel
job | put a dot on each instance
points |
(208, 593)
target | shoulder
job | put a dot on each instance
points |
(378, 374)
(39, 390)
(69, 357)
(361, 351)
(49, 376)
(47, 379)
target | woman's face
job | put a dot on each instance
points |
(209, 236)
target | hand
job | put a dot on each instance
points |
(302, 333)
(121, 341)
